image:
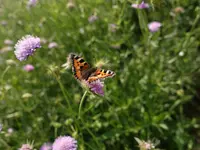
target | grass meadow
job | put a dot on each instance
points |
(154, 95)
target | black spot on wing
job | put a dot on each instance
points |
(81, 61)
(76, 57)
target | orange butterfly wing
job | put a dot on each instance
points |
(100, 74)
(78, 66)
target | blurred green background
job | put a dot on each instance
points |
(154, 95)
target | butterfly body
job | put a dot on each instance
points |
(83, 71)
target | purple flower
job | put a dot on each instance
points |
(154, 26)
(46, 146)
(140, 6)
(26, 147)
(92, 18)
(52, 45)
(26, 46)
(96, 87)
(10, 130)
(112, 27)
(65, 143)
(28, 67)
(32, 3)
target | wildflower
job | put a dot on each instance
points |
(70, 4)
(96, 87)
(92, 18)
(28, 67)
(154, 26)
(26, 147)
(140, 6)
(46, 146)
(26, 46)
(179, 10)
(10, 130)
(32, 3)
(8, 42)
(43, 40)
(146, 145)
(65, 143)
(112, 27)
(52, 45)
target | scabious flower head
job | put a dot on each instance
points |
(97, 87)
(143, 145)
(26, 46)
(154, 26)
(46, 146)
(70, 4)
(142, 5)
(28, 67)
(65, 143)
(31, 3)
(179, 10)
(26, 147)
(43, 40)
(92, 18)
(113, 27)
(10, 130)
(52, 45)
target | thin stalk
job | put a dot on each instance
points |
(65, 94)
(81, 103)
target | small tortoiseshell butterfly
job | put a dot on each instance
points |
(83, 71)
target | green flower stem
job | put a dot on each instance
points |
(81, 103)
(65, 94)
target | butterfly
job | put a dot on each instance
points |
(82, 70)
